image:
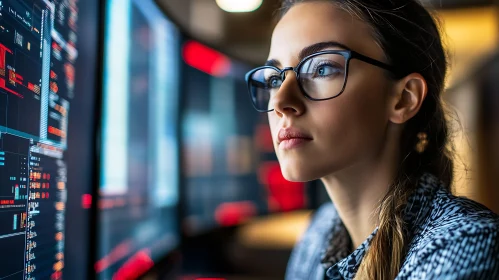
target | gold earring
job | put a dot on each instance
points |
(422, 143)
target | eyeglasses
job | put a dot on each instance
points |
(321, 76)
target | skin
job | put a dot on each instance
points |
(356, 136)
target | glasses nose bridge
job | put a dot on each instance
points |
(285, 69)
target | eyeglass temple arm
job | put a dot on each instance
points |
(372, 61)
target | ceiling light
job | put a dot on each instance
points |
(239, 6)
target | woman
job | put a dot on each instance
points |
(363, 113)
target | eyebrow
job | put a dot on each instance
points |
(317, 47)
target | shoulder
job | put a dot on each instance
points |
(305, 259)
(459, 239)
(459, 216)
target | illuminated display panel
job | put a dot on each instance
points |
(139, 154)
(47, 109)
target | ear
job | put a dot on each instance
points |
(410, 94)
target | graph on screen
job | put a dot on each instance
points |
(37, 76)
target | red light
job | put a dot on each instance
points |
(283, 194)
(57, 132)
(86, 201)
(119, 252)
(56, 275)
(233, 213)
(54, 87)
(137, 265)
(56, 46)
(4, 87)
(206, 59)
(19, 79)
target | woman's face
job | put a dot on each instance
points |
(341, 132)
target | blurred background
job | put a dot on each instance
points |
(144, 158)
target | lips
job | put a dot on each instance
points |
(291, 137)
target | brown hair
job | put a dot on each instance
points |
(410, 38)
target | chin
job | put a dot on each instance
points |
(296, 173)
(296, 170)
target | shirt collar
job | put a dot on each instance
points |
(343, 265)
(419, 203)
(347, 267)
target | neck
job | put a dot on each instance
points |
(358, 190)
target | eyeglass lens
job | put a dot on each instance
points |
(320, 77)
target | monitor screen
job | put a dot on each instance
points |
(48, 53)
(139, 154)
(230, 172)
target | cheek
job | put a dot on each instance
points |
(354, 122)
(346, 130)
(367, 109)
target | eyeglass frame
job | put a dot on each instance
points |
(347, 54)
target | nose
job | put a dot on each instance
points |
(288, 100)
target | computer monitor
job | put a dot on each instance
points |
(230, 171)
(48, 57)
(138, 191)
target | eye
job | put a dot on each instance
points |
(274, 81)
(326, 70)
